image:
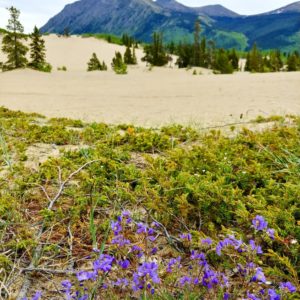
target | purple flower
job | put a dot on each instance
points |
(127, 215)
(255, 247)
(154, 251)
(259, 223)
(210, 278)
(207, 241)
(141, 228)
(259, 276)
(200, 257)
(124, 263)
(67, 285)
(271, 233)
(120, 240)
(155, 224)
(104, 263)
(137, 249)
(226, 296)
(173, 262)
(150, 269)
(116, 227)
(138, 284)
(186, 236)
(287, 287)
(185, 280)
(229, 241)
(84, 275)
(37, 296)
(251, 297)
(121, 282)
(273, 295)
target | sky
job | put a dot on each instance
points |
(38, 12)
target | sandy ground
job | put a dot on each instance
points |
(143, 97)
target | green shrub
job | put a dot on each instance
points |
(118, 64)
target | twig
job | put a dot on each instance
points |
(38, 250)
(50, 271)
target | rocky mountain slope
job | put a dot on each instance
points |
(279, 28)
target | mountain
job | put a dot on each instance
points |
(291, 8)
(140, 18)
(216, 11)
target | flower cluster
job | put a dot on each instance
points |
(133, 265)
(260, 224)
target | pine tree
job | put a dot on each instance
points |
(95, 65)
(223, 63)
(12, 42)
(203, 54)
(118, 64)
(129, 57)
(185, 55)
(234, 59)
(196, 61)
(293, 63)
(155, 53)
(254, 61)
(37, 50)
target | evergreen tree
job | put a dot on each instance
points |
(155, 53)
(234, 59)
(37, 50)
(223, 63)
(127, 40)
(95, 65)
(185, 55)
(118, 64)
(211, 54)
(273, 61)
(12, 42)
(196, 60)
(293, 62)
(66, 32)
(254, 61)
(129, 57)
(203, 54)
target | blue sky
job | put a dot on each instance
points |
(37, 12)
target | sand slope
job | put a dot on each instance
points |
(143, 97)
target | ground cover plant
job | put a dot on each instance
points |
(143, 213)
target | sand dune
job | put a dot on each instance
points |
(143, 97)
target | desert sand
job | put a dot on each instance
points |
(143, 97)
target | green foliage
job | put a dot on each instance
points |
(258, 62)
(63, 68)
(129, 56)
(155, 53)
(293, 62)
(95, 65)
(118, 65)
(38, 52)
(110, 38)
(210, 182)
(12, 42)
(223, 63)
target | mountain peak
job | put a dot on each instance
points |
(291, 8)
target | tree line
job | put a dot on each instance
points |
(199, 53)
(12, 45)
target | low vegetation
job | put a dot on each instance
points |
(128, 212)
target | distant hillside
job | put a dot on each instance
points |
(140, 18)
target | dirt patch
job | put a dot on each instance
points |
(40, 153)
